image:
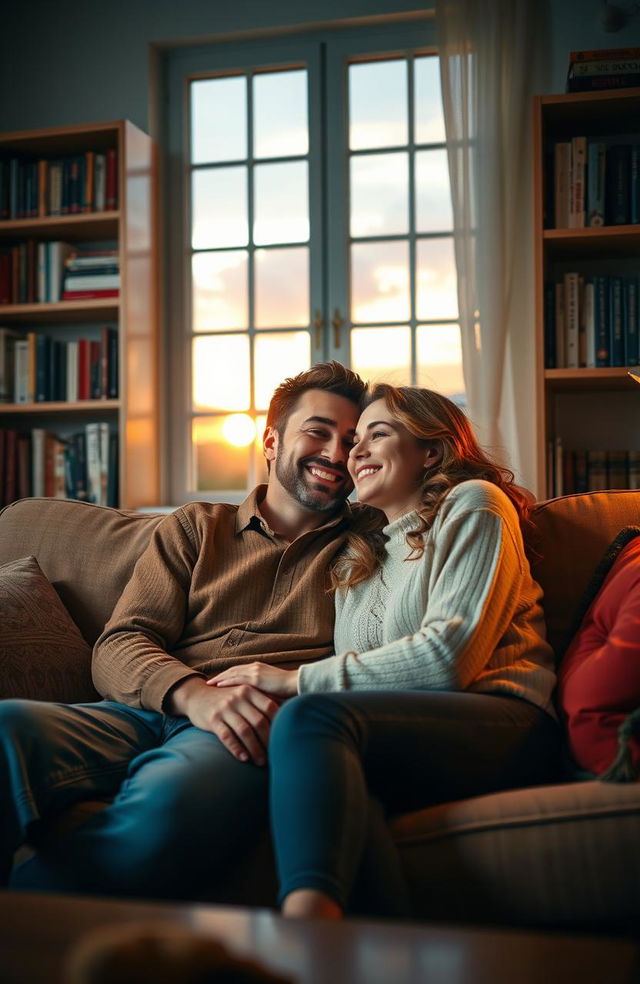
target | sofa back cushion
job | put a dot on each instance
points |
(571, 535)
(87, 552)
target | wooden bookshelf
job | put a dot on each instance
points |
(593, 408)
(132, 229)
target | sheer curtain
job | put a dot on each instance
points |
(491, 63)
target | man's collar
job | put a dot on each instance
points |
(250, 508)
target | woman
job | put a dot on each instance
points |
(441, 686)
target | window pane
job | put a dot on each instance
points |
(278, 356)
(280, 126)
(436, 279)
(281, 203)
(221, 372)
(439, 355)
(220, 291)
(219, 207)
(429, 118)
(379, 195)
(378, 104)
(282, 287)
(218, 120)
(218, 463)
(433, 193)
(380, 282)
(382, 354)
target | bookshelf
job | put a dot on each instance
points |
(128, 227)
(585, 409)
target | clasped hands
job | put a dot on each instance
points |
(237, 705)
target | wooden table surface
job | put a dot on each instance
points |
(37, 931)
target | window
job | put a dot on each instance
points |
(314, 191)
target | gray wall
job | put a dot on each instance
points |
(77, 61)
(74, 61)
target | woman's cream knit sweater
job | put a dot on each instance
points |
(465, 616)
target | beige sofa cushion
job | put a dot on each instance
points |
(42, 653)
(563, 856)
(88, 552)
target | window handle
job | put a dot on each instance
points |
(337, 321)
(318, 329)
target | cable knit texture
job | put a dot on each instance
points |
(465, 616)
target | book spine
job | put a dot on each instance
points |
(43, 368)
(618, 171)
(578, 167)
(562, 184)
(601, 308)
(632, 349)
(561, 341)
(88, 295)
(634, 185)
(616, 345)
(596, 83)
(37, 461)
(589, 326)
(571, 320)
(111, 199)
(549, 327)
(92, 436)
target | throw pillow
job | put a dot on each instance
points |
(43, 656)
(599, 677)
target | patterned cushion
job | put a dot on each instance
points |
(42, 653)
(599, 677)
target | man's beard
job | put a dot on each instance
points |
(294, 477)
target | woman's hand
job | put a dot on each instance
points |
(262, 676)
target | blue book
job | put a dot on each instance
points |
(601, 318)
(632, 351)
(634, 185)
(43, 361)
(616, 327)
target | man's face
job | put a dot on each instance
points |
(311, 454)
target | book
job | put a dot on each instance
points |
(100, 182)
(577, 195)
(111, 187)
(597, 462)
(21, 371)
(589, 326)
(561, 341)
(632, 323)
(634, 185)
(8, 338)
(94, 480)
(37, 461)
(57, 253)
(618, 173)
(562, 184)
(572, 320)
(90, 282)
(89, 295)
(616, 332)
(601, 319)
(596, 164)
(72, 371)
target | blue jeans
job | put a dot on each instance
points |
(333, 756)
(183, 807)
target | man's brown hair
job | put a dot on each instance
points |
(332, 377)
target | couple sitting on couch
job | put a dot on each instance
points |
(221, 656)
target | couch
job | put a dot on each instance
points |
(561, 856)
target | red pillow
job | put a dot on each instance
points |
(599, 677)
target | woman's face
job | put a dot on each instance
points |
(387, 463)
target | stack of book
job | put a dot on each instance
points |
(592, 321)
(36, 368)
(595, 183)
(590, 470)
(91, 274)
(39, 463)
(608, 68)
(32, 272)
(77, 183)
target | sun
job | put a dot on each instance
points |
(239, 430)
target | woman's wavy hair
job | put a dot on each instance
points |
(433, 420)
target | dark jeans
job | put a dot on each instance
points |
(184, 808)
(333, 755)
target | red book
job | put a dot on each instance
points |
(111, 195)
(84, 369)
(88, 295)
(32, 271)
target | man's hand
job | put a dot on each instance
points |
(240, 716)
(269, 679)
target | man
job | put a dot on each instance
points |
(218, 584)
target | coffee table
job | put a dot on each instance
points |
(36, 932)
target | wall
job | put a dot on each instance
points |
(576, 25)
(66, 61)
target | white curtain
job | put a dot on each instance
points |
(492, 60)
